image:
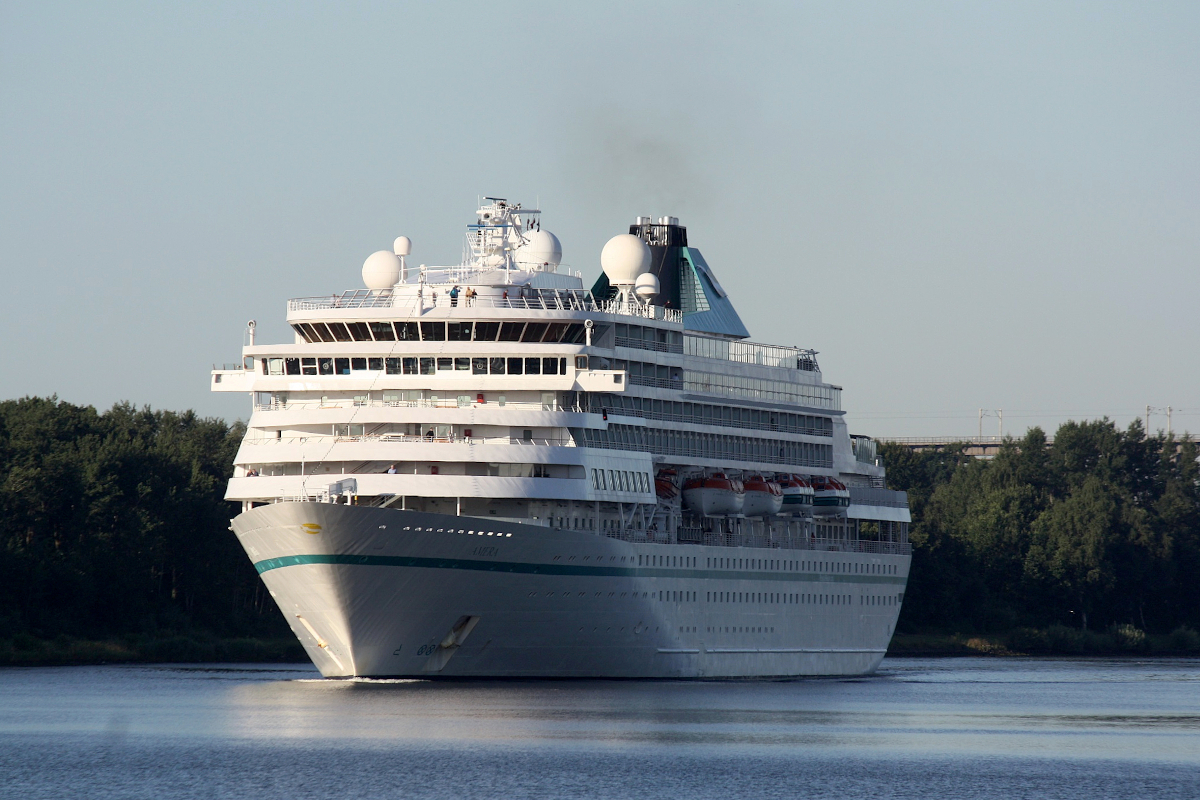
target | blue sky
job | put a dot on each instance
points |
(960, 205)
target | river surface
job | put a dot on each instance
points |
(919, 728)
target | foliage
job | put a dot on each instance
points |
(115, 523)
(1098, 530)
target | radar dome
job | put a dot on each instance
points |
(381, 270)
(623, 258)
(541, 247)
(402, 246)
(646, 286)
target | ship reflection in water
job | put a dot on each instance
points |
(920, 728)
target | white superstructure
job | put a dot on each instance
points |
(488, 469)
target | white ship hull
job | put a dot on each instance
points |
(384, 592)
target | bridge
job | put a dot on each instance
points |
(977, 446)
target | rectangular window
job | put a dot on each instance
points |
(309, 366)
(275, 366)
(581, 362)
(549, 366)
(433, 331)
(511, 331)
(549, 401)
(534, 332)
(555, 332)
(486, 331)
(341, 366)
(533, 366)
(496, 366)
(406, 331)
(321, 331)
(292, 366)
(382, 331)
(479, 366)
(444, 363)
(358, 363)
(359, 331)
(375, 364)
(326, 365)
(427, 366)
(340, 332)
(515, 366)
(458, 331)
(462, 364)
(410, 366)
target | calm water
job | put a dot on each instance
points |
(921, 728)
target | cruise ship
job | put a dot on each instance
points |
(492, 470)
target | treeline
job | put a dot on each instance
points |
(113, 524)
(1099, 530)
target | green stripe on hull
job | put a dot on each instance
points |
(517, 567)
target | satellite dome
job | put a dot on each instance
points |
(623, 258)
(541, 248)
(381, 270)
(402, 246)
(646, 286)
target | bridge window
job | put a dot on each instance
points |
(534, 332)
(486, 331)
(407, 331)
(340, 332)
(511, 331)
(360, 331)
(458, 331)
(382, 331)
(433, 331)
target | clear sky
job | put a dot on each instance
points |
(959, 205)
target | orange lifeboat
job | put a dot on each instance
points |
(764, 498)
(797, 496)
(714, 495)
(831, 498)
(664, 484)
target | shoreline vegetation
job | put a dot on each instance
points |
(115, 548)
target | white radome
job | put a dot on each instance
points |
(646, 285)
(402, 246)
(381, 270)
(623, 258)
(541, 249)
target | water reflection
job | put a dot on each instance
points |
(1135, 724)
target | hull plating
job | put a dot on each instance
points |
(383, 592)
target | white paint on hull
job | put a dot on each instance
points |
(376, 592)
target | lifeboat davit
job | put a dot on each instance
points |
(764, 498)
(797, 496)
(664, 485)
(714, 495)
(830, 496)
